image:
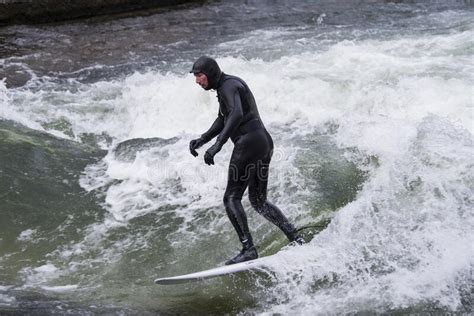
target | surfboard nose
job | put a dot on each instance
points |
(215, 272)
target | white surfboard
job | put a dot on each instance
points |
(211, 273)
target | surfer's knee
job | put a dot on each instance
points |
(229, 200)
(258, 205)
(226, 201)
(256, 201)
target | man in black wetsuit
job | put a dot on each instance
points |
(238, 119)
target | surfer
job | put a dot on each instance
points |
(239, 120)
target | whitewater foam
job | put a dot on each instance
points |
(405, 241)
(403, 101)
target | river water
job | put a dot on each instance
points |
(370, 104)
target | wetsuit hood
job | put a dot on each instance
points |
(210, 68)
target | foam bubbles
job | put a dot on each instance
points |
(41, 274)
(402, 101)
(405, 241)
(6, 300)
(392, 247)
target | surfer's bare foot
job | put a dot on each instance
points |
(244, 255)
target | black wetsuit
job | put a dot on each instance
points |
(239, 120)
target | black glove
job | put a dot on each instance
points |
(211, 152)
(195, 144)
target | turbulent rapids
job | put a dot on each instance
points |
(370, 107)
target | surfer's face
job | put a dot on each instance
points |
(201, 79)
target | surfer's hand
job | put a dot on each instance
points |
(195, 144)
(211, 152)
